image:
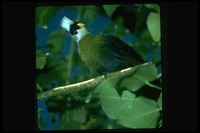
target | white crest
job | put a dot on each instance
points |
(65, 23)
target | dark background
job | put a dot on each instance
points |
(181, 28)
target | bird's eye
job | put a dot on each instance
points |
(75, 32)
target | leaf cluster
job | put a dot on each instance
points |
(133, 101)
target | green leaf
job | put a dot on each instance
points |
(57, 71)
(83, 12)
(142, 113)
(109, 98)
(92, 10)
(56, 41)
(71, 119)
(127, 94)
(78, 115)
(43, 14)
(143, 74)
(68, 125)
(40, 120)
(111, 102)
(160, 124)
(159, 101)
(153, 24)
(156, 7)
(39, 88)
(40, 60)
(128, 110)
(109, 9)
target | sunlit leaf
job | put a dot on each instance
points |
(40, 120)
(145, 73)
(109, 9)
(40, 62)
(39, 88)
(109, 98)
(142, 113)
(127, 94)
(159, 101)
(111, 102)
(153, 24)
(43, 14)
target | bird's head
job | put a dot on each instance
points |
(76, 29)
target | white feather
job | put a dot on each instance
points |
(81, 33)
(65, 23)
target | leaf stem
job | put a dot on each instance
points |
(152, 85)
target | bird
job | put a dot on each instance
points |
(101, 53)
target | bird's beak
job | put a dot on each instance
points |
(81, 25)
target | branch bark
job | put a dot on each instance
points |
(85, 84)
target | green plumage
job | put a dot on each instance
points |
(103, 53)
(107, 53)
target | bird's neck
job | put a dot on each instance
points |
(81, 33)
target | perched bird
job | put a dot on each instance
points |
(101, 53)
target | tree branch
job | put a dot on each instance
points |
(85, 84)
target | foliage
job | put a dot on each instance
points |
(117, 103)
(44, 14)
(40, 121)
(129, 110)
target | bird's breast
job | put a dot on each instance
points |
(89, 50)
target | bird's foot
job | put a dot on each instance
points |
(105, 75)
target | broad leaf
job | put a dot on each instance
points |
(153, 24)
(109, 9)
(109, 98)
(143, 74)
(142, 113)
(111, 102)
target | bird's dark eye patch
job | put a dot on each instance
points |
(73, 28)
